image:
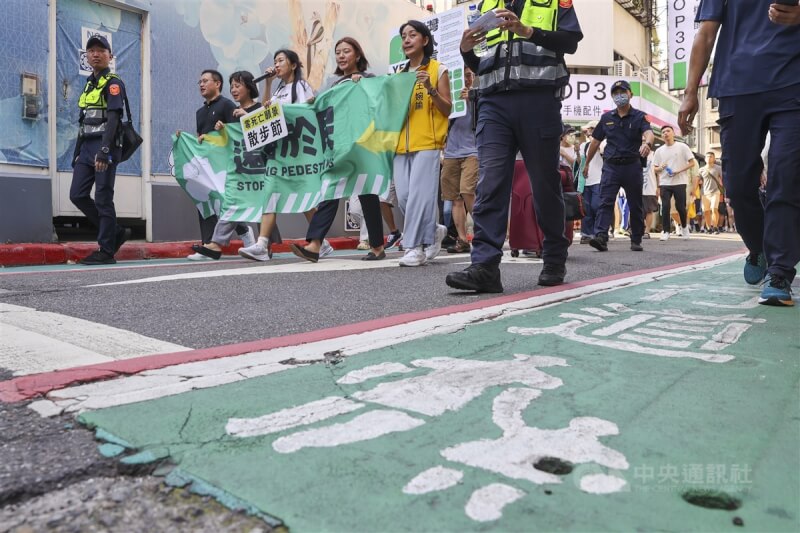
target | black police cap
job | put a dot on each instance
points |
(98, 40)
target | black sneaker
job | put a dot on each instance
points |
(123, 234)
(98, 257)
(394, 238)
(552, 274)
(599, 242)
(636, 247)
(476, 277)
(449, 240)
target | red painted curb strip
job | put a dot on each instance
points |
(53, 254)
(27, 387)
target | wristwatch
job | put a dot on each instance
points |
(433, 92)
(105, 149)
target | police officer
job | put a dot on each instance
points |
(521, 80)
(623, 129)
(98, 150)
(756, 78)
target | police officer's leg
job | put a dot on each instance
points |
(743, 131)
(80, 189)
(782, 213)
(104, 200)
(609, 187)
(496, 152)
(633, 194)
(539, 147)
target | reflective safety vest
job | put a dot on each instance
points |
(514, 62)
(93, 107)
(425, 127)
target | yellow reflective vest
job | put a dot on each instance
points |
(93, 106)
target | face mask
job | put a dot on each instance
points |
(621, 99)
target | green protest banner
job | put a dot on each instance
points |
(342, 144)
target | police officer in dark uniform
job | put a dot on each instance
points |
(520, 86)
(756, 78)
(623, 129)
(98, 151)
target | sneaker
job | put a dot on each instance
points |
(476, 277)
(449, 240)
(755, 268)
(552, 274)
(363, 245)
(413, 258)
(433, 250)
(777, 291)
(664, 236)
(123, 234)
(460, 247)
(249, 238)
(636, 247)
(716, 232)
(98, 257)
(599, 243)
(645, 235)
(393, 239)
(326, 249)
(585, 239)
(197, 257)
(532, 253)
(685, 232)
(260, 251)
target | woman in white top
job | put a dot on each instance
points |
(291, 89)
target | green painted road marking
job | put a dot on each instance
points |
(626, 399)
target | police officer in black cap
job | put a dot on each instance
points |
(623, 128)
(98, 151)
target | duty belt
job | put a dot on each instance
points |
(623, 160)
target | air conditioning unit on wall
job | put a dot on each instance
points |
(623, 69)
(648, 74)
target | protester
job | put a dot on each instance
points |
(712, 191)
(519, 109)
(672, 161)
(460, 167)
(351, 66)
(416, 163)
(244, 92)
(97, 152)
(291, 89)
(629, 138)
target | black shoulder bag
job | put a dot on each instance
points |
(129, 138)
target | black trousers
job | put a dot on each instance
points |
(322, 220)
(207, 226)
(667, 192)
(100, 211)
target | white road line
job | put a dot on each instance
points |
(181, 378)
(38, 341)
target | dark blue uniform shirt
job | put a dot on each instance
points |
(623, 134)
(753, 55)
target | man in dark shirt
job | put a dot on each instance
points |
(756, 78)
(215, 108)
(623, 128)
(519, 109)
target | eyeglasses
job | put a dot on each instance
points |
(204, 82)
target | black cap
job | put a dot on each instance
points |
(98, 40)
(566, 129)
(621, 84)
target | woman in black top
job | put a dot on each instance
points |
(351, 67)
(244, 92)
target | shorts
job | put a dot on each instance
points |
(459, 176)
(711, 201)
(650, 204)
(391, 197)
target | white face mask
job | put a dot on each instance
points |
(621, 99)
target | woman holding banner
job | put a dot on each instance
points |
(416, 163)
(351, 67)
(292, 89)
(244, 92)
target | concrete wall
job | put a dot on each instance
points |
(26, 214)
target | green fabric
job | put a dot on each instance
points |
(342, 144)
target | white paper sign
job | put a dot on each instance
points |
(263, 126)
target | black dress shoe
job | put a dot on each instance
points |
(208, 252)
(476, 277)
(372, 257)
(599, 243)
(302, 253)
(98, 257)
(552, 275)
(636, 247)
(121, 238)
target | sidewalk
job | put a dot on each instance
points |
(25, 254)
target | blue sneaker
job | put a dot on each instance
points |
(755, 268)
(777, 291)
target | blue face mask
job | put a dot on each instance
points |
(621, 99)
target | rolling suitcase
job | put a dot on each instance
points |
(523, 230)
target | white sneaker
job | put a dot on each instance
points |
(363, 245)
(433, 250)
(685, 232)
(413, 258)
(249, 238)
(260, 251)
(326, 249)
(664, 236)
(197, 257)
